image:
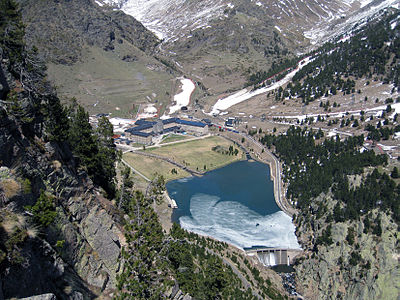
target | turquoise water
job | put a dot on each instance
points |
(234, 204)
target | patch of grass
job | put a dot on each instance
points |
(26, 186)
(149, 166)
(10, 187)
(174, 138)
(198, 153)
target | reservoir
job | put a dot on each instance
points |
(234, 204)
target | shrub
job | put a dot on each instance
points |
(44, 211)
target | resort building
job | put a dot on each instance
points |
(146, 131)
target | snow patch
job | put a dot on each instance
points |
(166, 18)
(245, 94)
(99, 3)
(387, 148)
(183, 98)
(148, 112)
(324, 31)
(120, 124)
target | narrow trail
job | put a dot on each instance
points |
(135, 171)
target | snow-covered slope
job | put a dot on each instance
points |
(167, 18)
(343, 25)
(316, 19)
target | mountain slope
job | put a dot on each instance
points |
(61, 29)
(174, 18)
(348, 214)
(221, 42)
(60, 237)
(99, 56)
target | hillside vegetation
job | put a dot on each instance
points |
(348, 209)
(347, 196)
(371, 53)
(67, 229)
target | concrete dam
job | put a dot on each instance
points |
(270, 257)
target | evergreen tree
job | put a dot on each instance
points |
(94, 150)
(57, 123)
(12, 30)
(107, 154)
(395, 173)
(82, 140)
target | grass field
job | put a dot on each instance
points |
(197, 154)
(174, 138)
(149, 166)
(103, 83)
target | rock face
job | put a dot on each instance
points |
(86, 225)
(60, 29)
(336, 271)
(42, 297)
(4, 88)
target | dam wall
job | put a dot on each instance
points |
(270, 257)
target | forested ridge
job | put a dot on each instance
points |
(347, 220)
(324, 166)
(372, 53)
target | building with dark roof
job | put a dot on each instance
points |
(141, 137)
(145, 130)
(143, 122)
(230, 122)
(197, 128)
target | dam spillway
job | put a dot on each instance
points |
(270, 257)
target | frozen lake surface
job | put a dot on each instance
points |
(234, 204)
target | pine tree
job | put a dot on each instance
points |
(107, 154)
(395, 173)
(57, 123)
(83, 142)
(12, 30)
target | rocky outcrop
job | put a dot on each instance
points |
(92, 239)
(4, 88)
(366, 268)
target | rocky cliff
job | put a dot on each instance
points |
(353, 262)
(77, 255)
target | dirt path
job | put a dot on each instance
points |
(135, 171)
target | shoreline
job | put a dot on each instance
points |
(272, 161)
(208, 170)
(265, 157)
(262, 238)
